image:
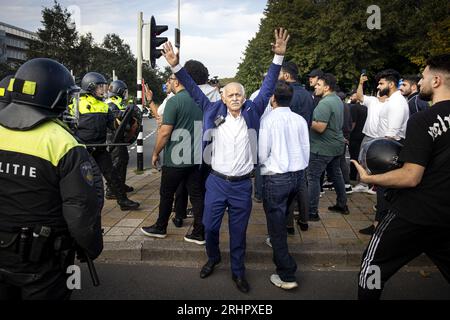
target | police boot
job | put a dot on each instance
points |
(109, 195)
(127, 188)
(127, 204)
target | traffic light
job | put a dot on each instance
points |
(156, 41)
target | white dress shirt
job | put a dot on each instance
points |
(283, 142)
(374, 107)
(393, 117)
(233, 147)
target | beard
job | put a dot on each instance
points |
(426, 96)
(384, 92)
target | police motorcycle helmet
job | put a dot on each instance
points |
(118, 88)
(90, 82)
(380, 156)
(41, 89)
(5, 95)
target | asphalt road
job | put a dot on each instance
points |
(146, 282)
(149, 136)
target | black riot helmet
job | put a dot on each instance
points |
(90, 82)
(380, 156)
(117, 88)
(5, 95)
(40, 89)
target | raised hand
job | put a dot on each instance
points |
(281, 40)
(170, 55)
(148, 93)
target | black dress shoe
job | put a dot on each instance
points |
(127, 204)
(370, 230)
(127, 188)
(336, 208)
(241, 284)
(178, 222)
(208, 268)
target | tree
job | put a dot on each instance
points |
(58, 39)
(333, 35)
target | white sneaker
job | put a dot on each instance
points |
(360, 188)
(275, 279)
(268, 242)
(371, 191)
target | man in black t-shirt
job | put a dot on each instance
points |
(419, 219)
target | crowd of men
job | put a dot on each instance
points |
(51, 190)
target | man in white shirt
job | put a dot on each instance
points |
(283, 154)
(370, 130)
(392, 124)
(395, 112)
(233, 123)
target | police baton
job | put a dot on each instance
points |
(92, 271)
(83, 257)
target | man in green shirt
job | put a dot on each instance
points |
(180, 136)
(327, 143)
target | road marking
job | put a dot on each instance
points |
(148, 136)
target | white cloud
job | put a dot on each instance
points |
(214, 32)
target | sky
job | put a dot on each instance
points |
(215, 32)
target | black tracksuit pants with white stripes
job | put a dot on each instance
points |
(395, 243)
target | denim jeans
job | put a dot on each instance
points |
(317, 165)
(279, 192)
(302, 202)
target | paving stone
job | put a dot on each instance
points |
(120, 231)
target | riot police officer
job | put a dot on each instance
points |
(117, 96)
(49, 197)
(94, 118)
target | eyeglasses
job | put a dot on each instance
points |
(172, 78)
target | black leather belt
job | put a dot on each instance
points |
(233, 178)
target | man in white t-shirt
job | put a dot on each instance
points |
(370, 130)
(392, 124)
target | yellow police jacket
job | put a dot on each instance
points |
(94, 120)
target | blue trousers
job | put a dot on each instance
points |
(317, 165)
(237, 197)
(279, 191)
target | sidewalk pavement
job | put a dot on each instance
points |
(332, 241)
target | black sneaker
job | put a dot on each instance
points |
(178, 222)
(189, 213)
(154, 231)
(194, 238)
(127, 204)
(290, 230)
(128, 188)
(303, 225)
(336, 208)
(314, 217)
(370, 230)
(328, 186)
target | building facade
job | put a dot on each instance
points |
(14, 43)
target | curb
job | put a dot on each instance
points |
(182, 254)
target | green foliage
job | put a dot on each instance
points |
(333, 35)
(59, 40)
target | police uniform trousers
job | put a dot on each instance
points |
(236, 197)
(46, 280)
(395, 243)
(104, 162)
(120, 158)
